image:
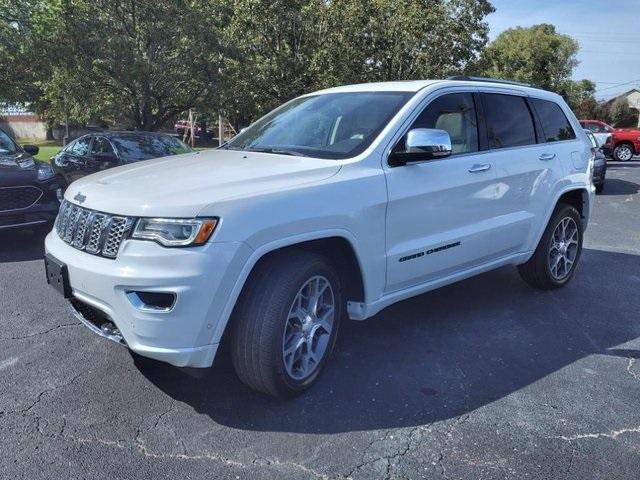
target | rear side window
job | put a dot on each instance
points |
(555, 125)
(456, 114)
(509, 121)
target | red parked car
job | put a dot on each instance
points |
(181, 125)
(625, 142)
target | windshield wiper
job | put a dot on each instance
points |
(279, 151)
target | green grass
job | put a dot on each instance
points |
(48, 148)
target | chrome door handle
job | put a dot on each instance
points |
(480, 167)
(547, 156)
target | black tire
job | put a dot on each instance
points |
(623, 147)
(260, 317)
(537, 272)
(600, 188)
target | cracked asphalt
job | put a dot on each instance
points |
(487, 378)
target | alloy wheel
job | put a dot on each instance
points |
(563, 248)
(624, 153)
(308, 329)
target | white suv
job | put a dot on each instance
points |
(336, 204)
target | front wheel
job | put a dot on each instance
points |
(623, 152)
(286, 322)
(556, 256)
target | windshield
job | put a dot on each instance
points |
(133, 148)
(333, 125)
(7, 146)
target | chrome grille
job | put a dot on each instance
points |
(94, 232)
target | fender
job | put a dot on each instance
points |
(267, 248)
(586, 212)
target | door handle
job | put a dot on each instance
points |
(480, 167)
(547, 156)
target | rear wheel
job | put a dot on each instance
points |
(286, 323)
(554, 262)
(623, 152)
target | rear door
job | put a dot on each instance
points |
(439, 213)
(527, 165)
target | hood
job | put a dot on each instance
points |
(18, 161)
(181, 185)
(632, 130)
(18, 169)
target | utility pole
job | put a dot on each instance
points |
(220, 130)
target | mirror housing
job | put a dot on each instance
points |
(31, 149)
(422, 144)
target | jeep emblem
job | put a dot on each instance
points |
(80, 197)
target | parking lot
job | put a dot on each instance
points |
(487, 378)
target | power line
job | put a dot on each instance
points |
(618, 85)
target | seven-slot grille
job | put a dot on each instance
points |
(18, 198)
(94, 232)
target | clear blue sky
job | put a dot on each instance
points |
(608, 33)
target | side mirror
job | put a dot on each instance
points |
(423, 144)
(31, 149)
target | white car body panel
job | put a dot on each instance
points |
(269, 201)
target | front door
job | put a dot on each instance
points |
(440, 212)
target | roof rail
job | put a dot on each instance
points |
(488, 79)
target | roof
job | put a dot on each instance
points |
(125, 133)
(417, 85)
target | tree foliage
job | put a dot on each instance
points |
(538, 55)
(280, 49)
(620, 113)
(142, 62)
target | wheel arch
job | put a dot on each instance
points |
(576, 196)
(627, 142)
(338, 246)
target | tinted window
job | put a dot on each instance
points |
(509, 121)
(332, 125)
(555, 124)
(456, 114)
(6, 144)
(101, 145)
(81, 146)
(133, 148)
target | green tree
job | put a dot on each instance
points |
(538, 55)
(280, 49)
(137, 62)
(620, 113)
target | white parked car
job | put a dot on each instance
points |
(336, 204)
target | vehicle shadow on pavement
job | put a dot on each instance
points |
(436, 356)
(615, 186)
(21, 245)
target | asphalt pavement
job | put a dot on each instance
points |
(486, 378)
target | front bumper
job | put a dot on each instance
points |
(201, 278)
(42, 212)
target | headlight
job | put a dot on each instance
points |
(45, 172)
(175, 232)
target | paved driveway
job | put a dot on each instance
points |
(483, 379)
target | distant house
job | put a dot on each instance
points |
(633, 97)
(19, 122)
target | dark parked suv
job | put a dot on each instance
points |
(99, 151)
(27, 187)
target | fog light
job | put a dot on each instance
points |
(152, 301)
